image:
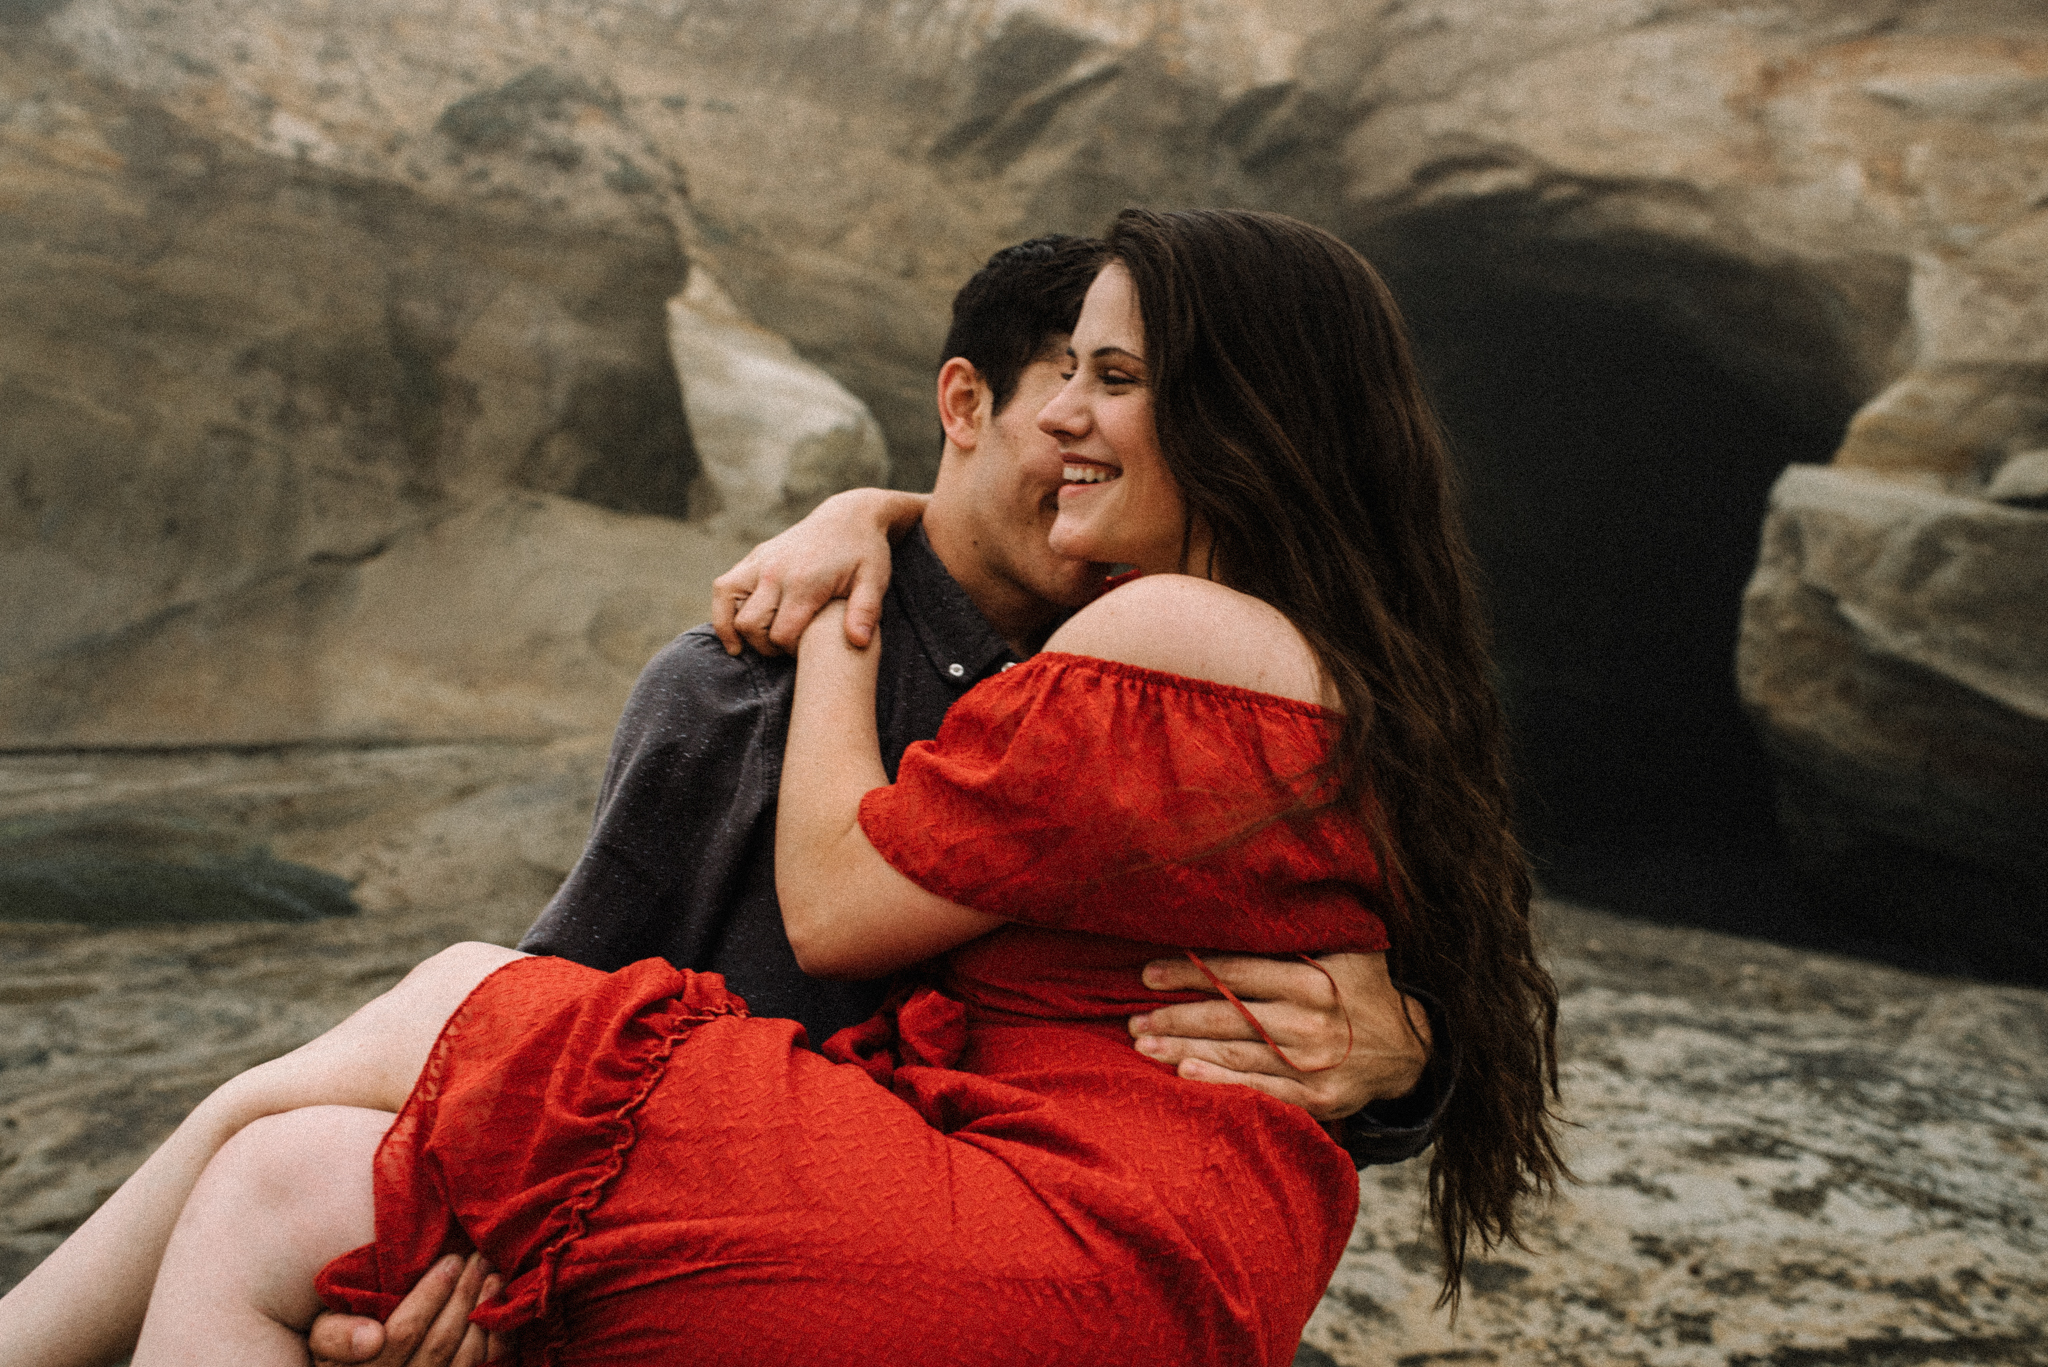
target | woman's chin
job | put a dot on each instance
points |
(1072, 539)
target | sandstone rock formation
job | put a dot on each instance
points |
(293, 451)
(1892, 643)
(1826, 205)
(775, 435)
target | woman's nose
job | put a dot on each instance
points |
(1062, 416)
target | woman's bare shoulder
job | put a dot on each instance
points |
(1179, 624)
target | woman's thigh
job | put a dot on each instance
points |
(372, 1059)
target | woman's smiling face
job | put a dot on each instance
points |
(1117, 502)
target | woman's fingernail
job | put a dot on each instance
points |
(1147, 1044)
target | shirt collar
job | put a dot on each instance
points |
(960, 644)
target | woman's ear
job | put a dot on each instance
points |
(963, 402)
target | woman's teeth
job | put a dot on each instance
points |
(1088, 474)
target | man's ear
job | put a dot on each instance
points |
(961, 398)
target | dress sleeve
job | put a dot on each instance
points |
(1080, 794)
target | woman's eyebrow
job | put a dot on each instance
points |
(1103, 351)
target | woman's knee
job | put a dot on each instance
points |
(274, 1166)
(283, 1197)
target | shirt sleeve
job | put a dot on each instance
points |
(1078, 794)
(696, 758)
(1395, 1131)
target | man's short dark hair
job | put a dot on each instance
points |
(1023, 298)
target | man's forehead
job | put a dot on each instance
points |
(1054, 349)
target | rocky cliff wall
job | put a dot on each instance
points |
(302, 449)
(297, 283)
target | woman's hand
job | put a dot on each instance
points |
(841, 550)
(1385, 1032)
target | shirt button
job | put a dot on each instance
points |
(956, 670)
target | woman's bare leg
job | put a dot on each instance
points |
(282, 1198)
(84, 1305)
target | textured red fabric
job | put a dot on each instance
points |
(1168, 791)
(985, 1173)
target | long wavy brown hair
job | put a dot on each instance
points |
(1290, 412)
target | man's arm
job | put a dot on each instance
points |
(1360, 1050)
(693, 767)
(839, 550)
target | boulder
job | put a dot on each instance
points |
(1895, 655)
(774, 433)
(231, 379)
(114, 870)
(2022, 480)
(294, 448)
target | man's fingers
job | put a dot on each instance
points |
(864, 605)
(344, 1340)
(1288, 1024)
(794, 611)
(1244, 1056)
(1237, 1056)
(1248, 975)
(474, 1349)
(496, 1346)
(1282, 1088)
(757, 615)
(416, 1314)
(445, 1337)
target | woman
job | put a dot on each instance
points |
(1279, 735)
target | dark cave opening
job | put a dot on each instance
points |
(1619, 409)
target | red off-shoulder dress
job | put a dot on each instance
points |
(987, 1173)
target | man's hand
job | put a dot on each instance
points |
(430, 1327)
(1209, 1041)
(840, 551)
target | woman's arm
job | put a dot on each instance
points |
(848, 913)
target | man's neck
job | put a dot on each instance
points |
(1020, 617)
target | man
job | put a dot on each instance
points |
(680, 861)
